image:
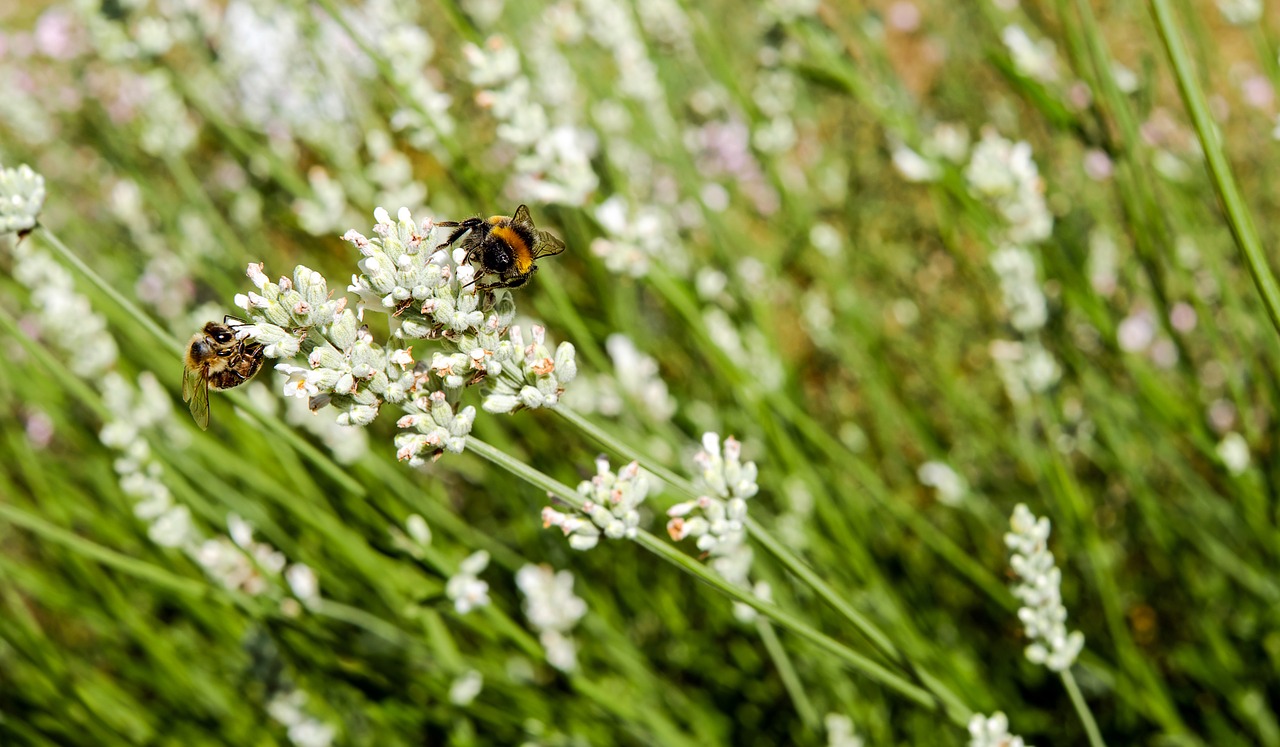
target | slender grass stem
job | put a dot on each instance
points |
(1082, 709)
(787, 671)
(119, 561)
(1239, 218)
(116, 296)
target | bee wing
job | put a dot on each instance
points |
(547, 245)
(195, 390)
(522, 216)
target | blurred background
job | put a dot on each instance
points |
(924, 260)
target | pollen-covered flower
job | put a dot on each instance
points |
(611, 503)
(1043, 614)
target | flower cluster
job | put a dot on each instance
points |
(1033, 58)
(951, 487)
(1024, 368)
(992, 731)
(610, 507)
(637, 375)
(131, 412)
(553, 164)
(65, 318)
(1042, 613)
(717, 519)
(346, 368)
(945, 142)
(727, 483)
(305, 730)
(430, 293)
(553, 609)
(1019, 285)
(635, 236)
(241, 563)
(1003, 173)
(21, 198)
(530, 376)
(436, 429)
(464, 588)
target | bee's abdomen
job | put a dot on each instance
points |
(519, 243)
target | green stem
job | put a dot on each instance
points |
(787, 671)
(1239, 218)
(790, 560)
(140, 316)
(108, 557)
(1082, 709)
(957, 713)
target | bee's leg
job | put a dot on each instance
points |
(510, 282)
(462, 227)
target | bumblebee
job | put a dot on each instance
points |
(216, 359)
(505, 246)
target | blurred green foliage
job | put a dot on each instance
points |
(835, 317)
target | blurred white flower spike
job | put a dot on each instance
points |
(21, 199)
(992, 731)
(1040, 590)
(553, 610)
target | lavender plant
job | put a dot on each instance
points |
(929, 264)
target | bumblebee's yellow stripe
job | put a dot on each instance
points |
(521, 251)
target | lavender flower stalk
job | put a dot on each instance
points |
(1042, 612)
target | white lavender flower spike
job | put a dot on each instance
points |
(1043, 614)
(611, 504)
(992, 731)
(21, 198)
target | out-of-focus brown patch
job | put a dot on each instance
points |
(1143, 621)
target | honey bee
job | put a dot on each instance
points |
(216, 359)
(505, 246)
